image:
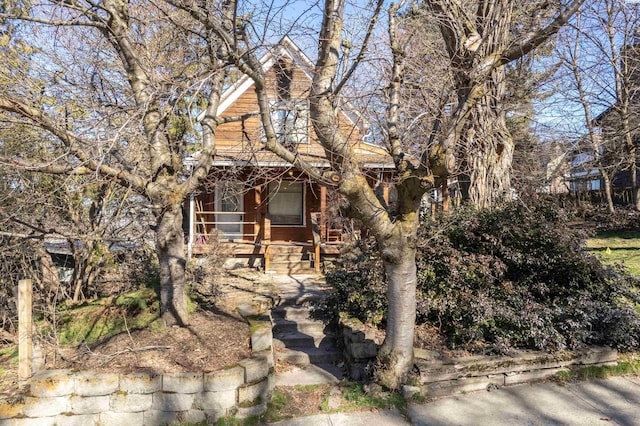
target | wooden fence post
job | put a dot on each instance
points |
(25, 328)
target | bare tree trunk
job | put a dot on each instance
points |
(633, 166)
(396, 354)
(172, 261)
(606, 180)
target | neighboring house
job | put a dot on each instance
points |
(266, 211)
(586, 172)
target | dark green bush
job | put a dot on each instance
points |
(358, 284)
(514, 277)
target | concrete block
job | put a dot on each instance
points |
(426, 354)
(88, 404)
(596, 355)
(109, 418)
(131, 403)
(45, 407)
(410, 391)
(255, 368)
(172, 401)
(26, 421)
(357, 371)
(141, 382)
(50, 383)
(261, 336)
(222, 380)
(362, 350)
(465, 384)
(159, 417)
(212, 416)
(268, 355)
(249, 393)
(77, 420)
(271, 381)
(182, 382)
(254, 410)
(92, 383)
(531, 376)
(9, 410)
(216, 400)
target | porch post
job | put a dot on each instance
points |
(191, 226)
(258, 217)
(266, 240)
(323, 213)
(445, 196)
(385, 193)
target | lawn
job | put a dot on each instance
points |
(618, 247)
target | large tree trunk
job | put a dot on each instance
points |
(395, 357)
(171, 257)
(396, 354)
(490, 146)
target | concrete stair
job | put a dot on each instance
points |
(305, 348)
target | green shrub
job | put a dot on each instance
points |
(358, 284)
(507, 278)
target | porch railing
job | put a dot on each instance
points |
(206, 221)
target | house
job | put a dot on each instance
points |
(264, 210)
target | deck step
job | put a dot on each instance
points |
(286, 257)
(284, 249)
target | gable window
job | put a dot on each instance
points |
(290, 120)
(286, 203)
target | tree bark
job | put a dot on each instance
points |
(396, 354)
(172, 261)
(489, 147)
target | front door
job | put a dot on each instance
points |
(229, 210)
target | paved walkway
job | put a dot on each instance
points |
(614, 401)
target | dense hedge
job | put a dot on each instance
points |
(511, 277)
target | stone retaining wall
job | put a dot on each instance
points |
(66, 397)
(440, 376)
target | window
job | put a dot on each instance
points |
(229, 205)
(286, 203)
(290, 121)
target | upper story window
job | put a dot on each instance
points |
(290, 120)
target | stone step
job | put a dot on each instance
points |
(306, 356)
(297, 299)
(301, 340)
(310, 374)
(294, 313)
(309, 327)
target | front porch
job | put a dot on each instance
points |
(242, 223)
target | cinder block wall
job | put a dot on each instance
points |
(66, 397)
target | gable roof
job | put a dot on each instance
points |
(285, 48)
(369, 155)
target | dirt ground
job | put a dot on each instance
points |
(216, 337)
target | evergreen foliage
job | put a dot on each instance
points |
(513, 277)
